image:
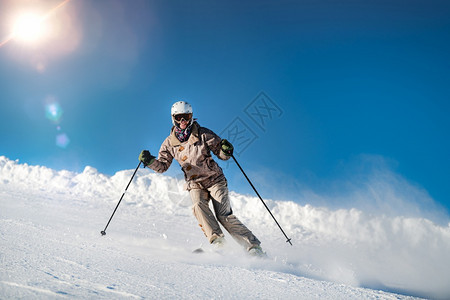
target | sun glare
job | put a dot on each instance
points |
(29, 28)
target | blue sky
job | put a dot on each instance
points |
(325, 95)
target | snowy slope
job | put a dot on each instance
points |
(51, 247)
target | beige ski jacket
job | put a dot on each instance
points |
(194, 156)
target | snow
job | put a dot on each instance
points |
(51, 247)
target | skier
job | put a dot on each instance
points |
(191, 145)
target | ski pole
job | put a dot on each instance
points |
(103, 232)
(288, 239)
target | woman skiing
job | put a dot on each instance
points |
(191, 145)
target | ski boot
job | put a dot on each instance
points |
(257, 251)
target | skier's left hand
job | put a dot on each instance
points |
(226, 147)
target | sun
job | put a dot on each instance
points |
(29, 28)
(33, 26)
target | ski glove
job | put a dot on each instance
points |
(146, 158)
(226, 147)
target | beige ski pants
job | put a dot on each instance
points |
(218, 194)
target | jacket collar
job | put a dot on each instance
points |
(192, 139)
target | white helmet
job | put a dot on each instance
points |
(181, 107)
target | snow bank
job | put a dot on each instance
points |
(352, 247)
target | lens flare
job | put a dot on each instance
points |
(62, 140)
(53, 112)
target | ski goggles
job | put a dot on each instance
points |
(179, 117)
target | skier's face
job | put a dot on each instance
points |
(183, 124)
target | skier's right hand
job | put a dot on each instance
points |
(146, 158)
